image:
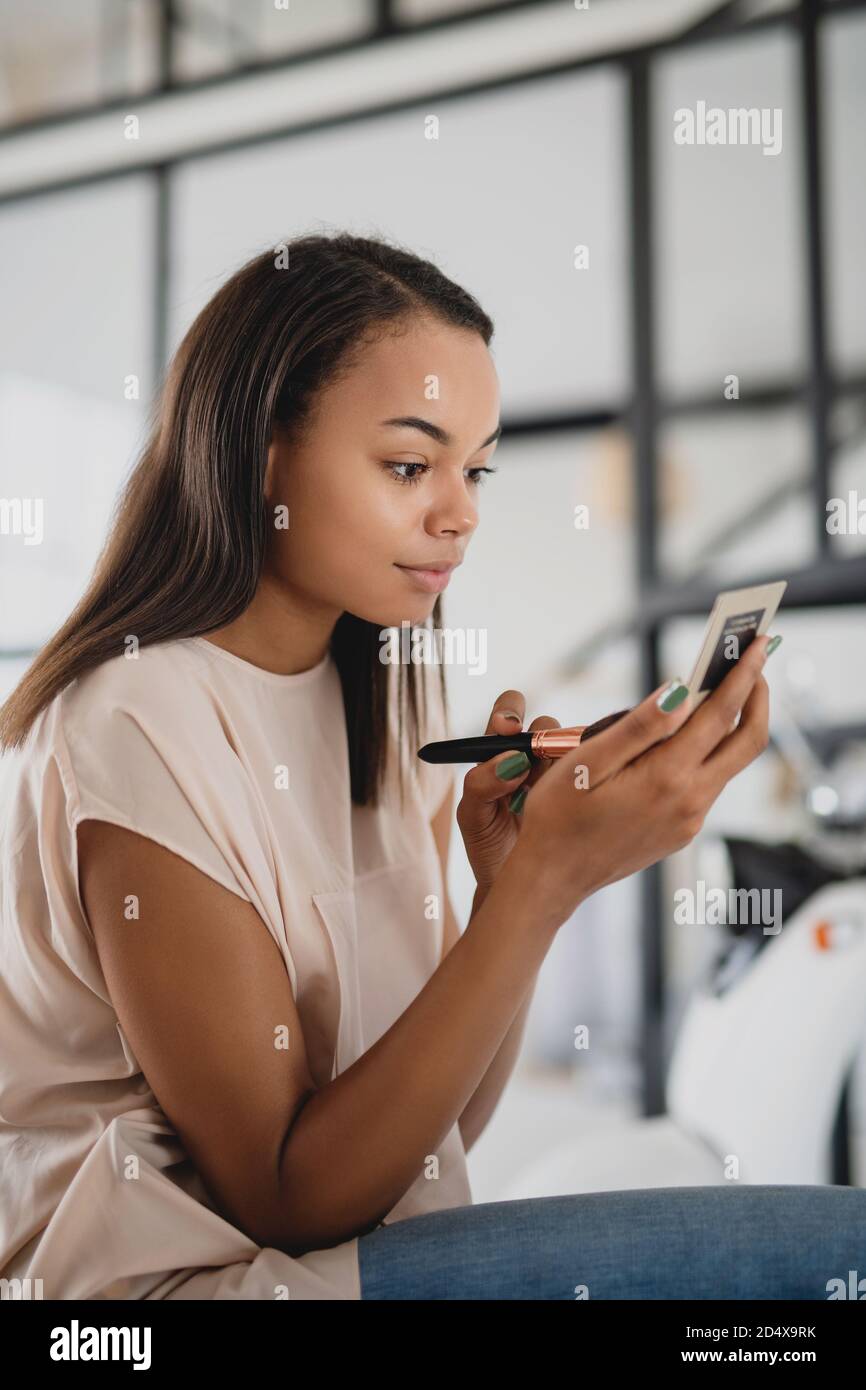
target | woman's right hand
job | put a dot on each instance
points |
(641, 789)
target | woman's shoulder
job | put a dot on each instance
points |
(132, 715)
(160, 685)
(142, 742)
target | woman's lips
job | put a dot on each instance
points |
(431, 581)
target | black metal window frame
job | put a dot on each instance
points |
(830, 581)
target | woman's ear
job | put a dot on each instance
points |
(268, 487)
(277, 450)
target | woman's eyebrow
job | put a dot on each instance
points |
(414, 422)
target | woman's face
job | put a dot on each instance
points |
(367, 501)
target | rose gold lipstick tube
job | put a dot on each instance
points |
(552, 743)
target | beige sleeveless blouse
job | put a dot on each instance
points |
(245, 774)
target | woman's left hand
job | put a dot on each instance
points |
(488, 827)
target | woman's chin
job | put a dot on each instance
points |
(416, 612)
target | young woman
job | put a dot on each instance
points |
(246, 1046)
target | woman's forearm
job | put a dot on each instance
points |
(478, 1113)
(479, 1110)
(358, 1144)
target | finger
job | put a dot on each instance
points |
(481, 783)
(639, 729)
(484, 782)
(539, 767)
(713, 720)
(508, 714)
(497, 777)
(599, 725)
(746, 743)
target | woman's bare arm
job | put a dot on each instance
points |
(387, 1114)
(483, 1102)
(204, 998)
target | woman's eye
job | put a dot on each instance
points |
(416, 477)
(401, 477)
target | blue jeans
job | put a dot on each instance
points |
(749, 1242)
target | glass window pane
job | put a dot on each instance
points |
(729, 252)
(77, 342)
(846, 513)
(843, 90)
(215, 36)
(514, 182)
(56, 57)
(735, 494)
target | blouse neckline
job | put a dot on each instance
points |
(292, 681)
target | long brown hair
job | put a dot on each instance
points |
(187, 541)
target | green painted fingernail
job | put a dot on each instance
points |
(772, 645)
(511, 767)
(672, 695)
(516, 802)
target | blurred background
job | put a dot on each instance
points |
(695, 378)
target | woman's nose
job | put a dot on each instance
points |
(454, 508)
